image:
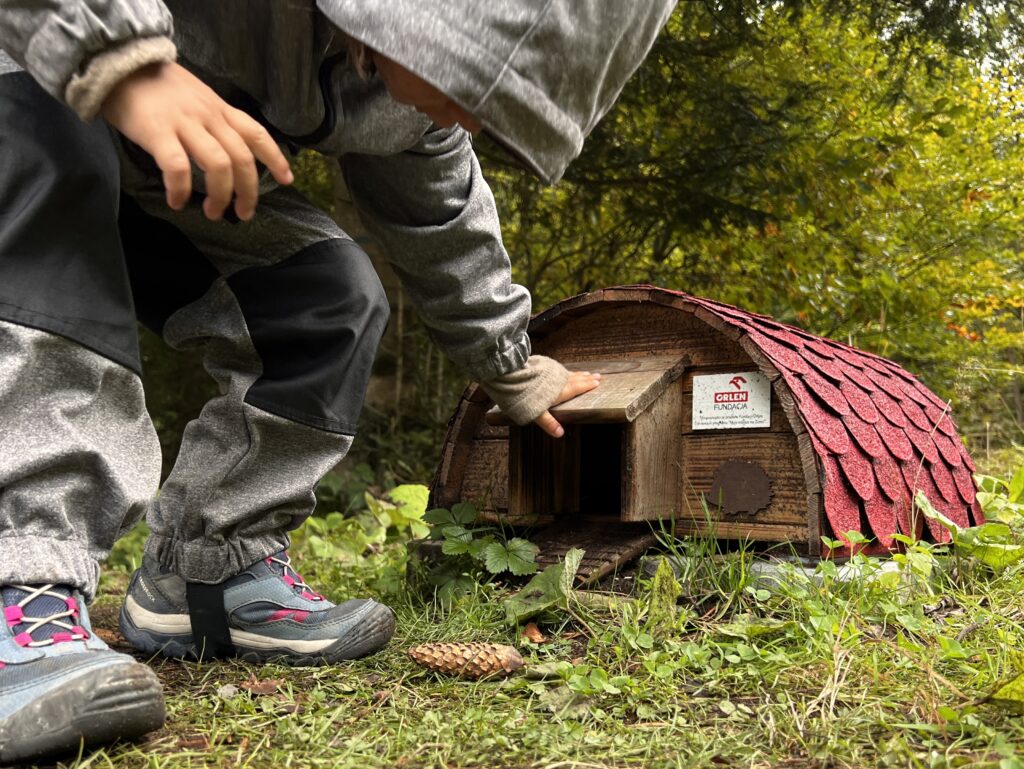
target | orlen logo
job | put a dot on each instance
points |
(738, 396)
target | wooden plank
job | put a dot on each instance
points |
(652, 452)
(617, 330)
(485, 479)
(543, 472)
(775, 453)
(627, 388)
(607, 544)
(765, 532)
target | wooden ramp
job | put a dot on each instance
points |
(609, 544)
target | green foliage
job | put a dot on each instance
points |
(485, 545)
(551, 589)
(800, 164)
(999, 542)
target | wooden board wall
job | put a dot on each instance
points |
(475, 465)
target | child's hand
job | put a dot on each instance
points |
(579, 383)
(173, 115)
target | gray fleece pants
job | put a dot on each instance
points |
(286, 310)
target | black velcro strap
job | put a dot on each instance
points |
(209, 621)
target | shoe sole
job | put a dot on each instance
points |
(114, 702)
(371, 635)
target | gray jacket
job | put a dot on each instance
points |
(538, 74)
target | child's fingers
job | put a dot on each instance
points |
(549, 424)
(243, 168)
(210, 156)
(262, 145)
(578, 383)
(172, 160)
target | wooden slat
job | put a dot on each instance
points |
(485, 476)
(543, 472)
(616, 330)
(775, 453)
(651, 473)
(607, 544)
(767, 532)
(627, 388)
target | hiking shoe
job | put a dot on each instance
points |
(60, 686)
(266, 613)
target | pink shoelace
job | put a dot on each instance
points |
(67, 631)
(292, 578)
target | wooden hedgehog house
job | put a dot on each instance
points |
(708, 415)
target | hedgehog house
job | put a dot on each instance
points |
(708, 415)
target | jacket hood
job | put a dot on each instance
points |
(538, 74)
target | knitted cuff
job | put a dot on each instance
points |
(86, 91)
(525, 394)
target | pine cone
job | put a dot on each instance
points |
(472, 660)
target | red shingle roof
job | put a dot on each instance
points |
(878, 433)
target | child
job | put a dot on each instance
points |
(99, 226)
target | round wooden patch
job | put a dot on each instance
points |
(740, 487)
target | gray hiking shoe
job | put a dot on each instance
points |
(266, 613)
(60, 686)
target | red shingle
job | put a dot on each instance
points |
(780, 354)
(825, 426)
(966, 458)
(964, 484)
(889, 408)
(860, 473)
(887, 473)
(827, 392)
(940, 419)
(977, 516)
(939, 532)
(826, 366)
(780, 334)
(912, 393)
(948, 449)
(922, 442)
(882, 381)
(881, 514)
(876, 364)
(842, 508)
(865, 436)
(820, 347)
(895, 440)
(915, 414)
(947, 490)
(860, 401)
(857, 376)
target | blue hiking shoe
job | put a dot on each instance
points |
(60, 686)
(266, 613)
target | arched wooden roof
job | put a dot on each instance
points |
(876, 433)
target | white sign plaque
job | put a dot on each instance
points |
(731, 401)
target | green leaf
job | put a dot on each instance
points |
(438, 516)
(545, 591)
(926, 507)
(517, 556)
(412, 499)
(1011, 695)
(464, 513)
(570, 565)
(1016, 493)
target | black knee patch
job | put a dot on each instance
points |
(315, 320)
(61, 263)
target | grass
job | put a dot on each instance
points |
(887, 669)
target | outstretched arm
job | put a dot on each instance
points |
(435, 217)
